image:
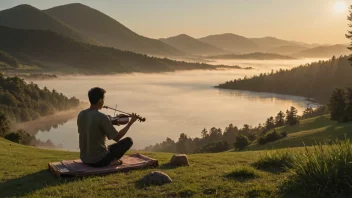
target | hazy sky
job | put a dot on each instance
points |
(310, 21)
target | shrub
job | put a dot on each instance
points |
(281, 160)
(241, 142)
(4, 124)
(20, 137)
(271, 137)
(243, 172)
(283, 134)
(214, 147)
(324, 170)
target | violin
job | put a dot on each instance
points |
(125, 115)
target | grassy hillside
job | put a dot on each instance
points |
(29, 17)
(23, 173)
(318, 129)
(23, 170)
(101, 27)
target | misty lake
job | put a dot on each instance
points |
(175, 102)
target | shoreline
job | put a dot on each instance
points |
(34, 126)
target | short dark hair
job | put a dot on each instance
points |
(94, 94)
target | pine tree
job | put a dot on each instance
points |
(280, 119)
(337, 106)
(270, 123)
(349, 32)
(291, 116)
(348, 109)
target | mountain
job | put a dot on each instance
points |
(54, 52)
(287, 49)
(108, 31)
(271, 42)
(323, 52)
(191, 45)
(28, 17)
(231, 42)
(253, 56)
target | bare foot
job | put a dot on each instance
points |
(116, 162)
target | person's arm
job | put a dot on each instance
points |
(126, 128)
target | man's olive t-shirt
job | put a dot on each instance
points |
(93, 128)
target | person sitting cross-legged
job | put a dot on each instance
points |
(95, 127)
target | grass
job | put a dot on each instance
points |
(308, 132)
(275, 161)
(302, 171)
(323, 171)
(242, 173)
(23, 173)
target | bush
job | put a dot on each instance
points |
(324, 170)
(281, 160)
(20, 137)
(271, 137)
(241, 142)
(283, 134)
(4, 124)
(214, 147)
(243, 172)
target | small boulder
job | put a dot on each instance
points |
(156, 178)
(179, 160)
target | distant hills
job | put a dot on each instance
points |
(287, 49)
(324, 51)
(231, 42)
(88, 25)
(55, 52)
(271, 42)
(107, 31)
(253, 56)
(191, 45)
(28, 17)
(316, 80)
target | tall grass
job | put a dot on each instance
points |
(324, 170)
(279, 160)
(243, 172)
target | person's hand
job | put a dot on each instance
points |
(133, 118)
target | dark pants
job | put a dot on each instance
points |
(116, 151)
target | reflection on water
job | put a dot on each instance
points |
(173, 103)
(46, 124)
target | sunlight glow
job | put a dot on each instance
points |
(340, 7)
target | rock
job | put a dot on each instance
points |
(179, 160)
(156, 178)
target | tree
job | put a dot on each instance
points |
(270, 123)
(204, 133)
(4, 124)
(241, 142)
(348, 109)
(349, 32)
(291, 116)
(337, 106)
(308, 111)
(183, 146)
(280, 119)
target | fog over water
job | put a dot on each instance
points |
(176, 102)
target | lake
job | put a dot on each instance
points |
(175, 102)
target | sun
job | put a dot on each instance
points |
(340, 7)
